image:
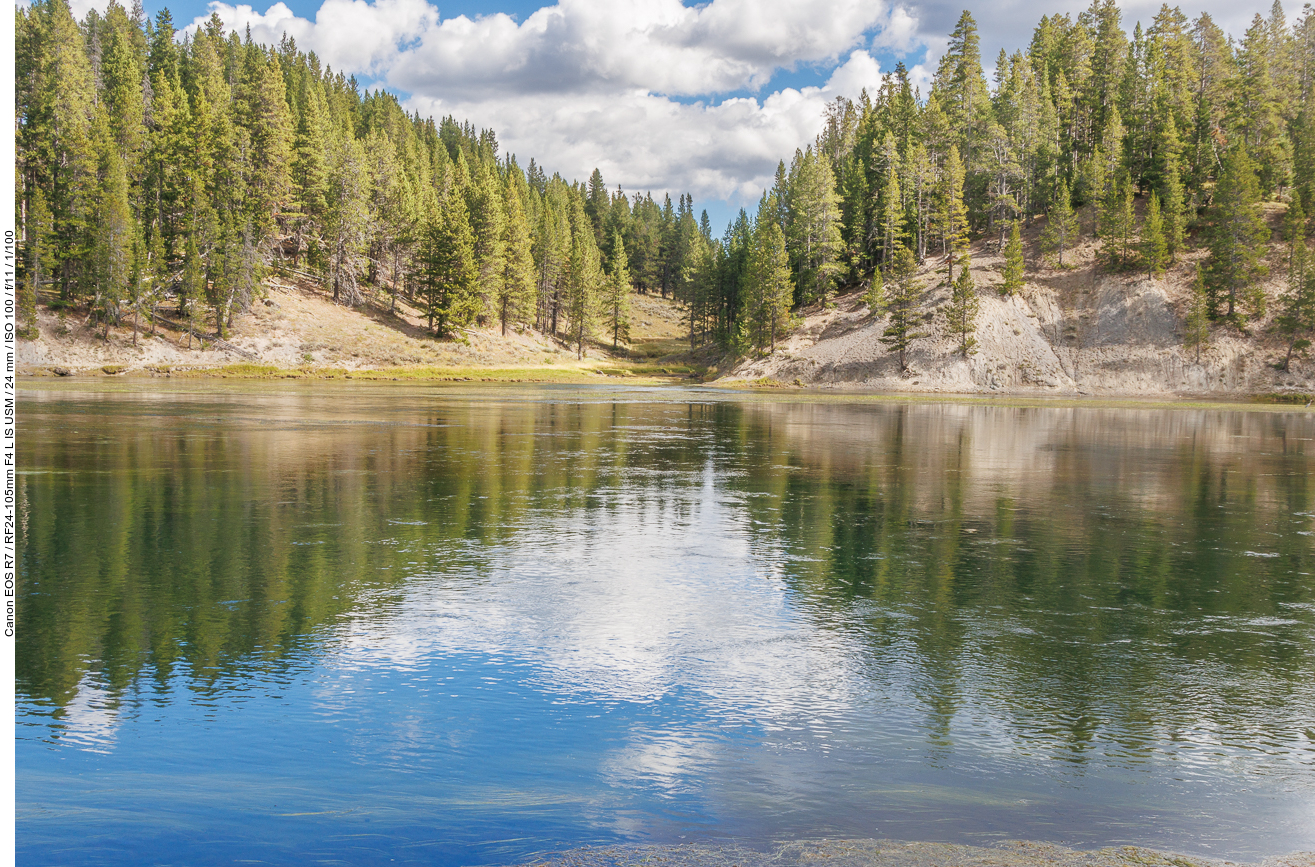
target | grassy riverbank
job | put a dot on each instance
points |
(298, 332)
(578, 373)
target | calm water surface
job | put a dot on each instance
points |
(370, 625)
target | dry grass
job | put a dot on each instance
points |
(297, 331)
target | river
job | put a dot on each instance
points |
(373, 624)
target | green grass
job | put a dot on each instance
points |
(651, 370)
(432, 373)
(1284, 398)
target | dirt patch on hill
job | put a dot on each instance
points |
(295, 325)
(1073, 331)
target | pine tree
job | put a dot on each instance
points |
(1303, 149)
(1174, 210)
(903, 292)
(922, 174)
(1155, 249)
(122, 99)
(875, 297)
(1108, 50)
(1197, 331)
(191, 287)
(484, 203)
(961, 311)
(38, 261)
(1255, 107)
(1003, 173)
(961, 86)
(767, 287)
(309, 170)
(113, 233)
(1296, 320)
(892, 202)
(1013, 277)
(384, 204)
(616, 292)
(270, 130)
(449, 272)
(552, 245)
(346, 219)
(814, 219)
(1294, 227)
(583, 278)
(1214, 65)
(158, 277)
(515, 296)
(1237, 242)
(138, 290)
(952, 214)
(1061, 230)
(55, 152)
(596, 205)
(1169, 184)
(1118, 226)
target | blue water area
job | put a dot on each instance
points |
(364, 625)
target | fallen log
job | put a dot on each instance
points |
(217, 341)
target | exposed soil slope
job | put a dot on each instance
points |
(1074, 331)
(296, 326)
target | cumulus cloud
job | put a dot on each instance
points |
(899, 33)
(642, 141)
(576, 46)
(351, 35)
(80, 8)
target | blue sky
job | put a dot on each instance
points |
(660, 96)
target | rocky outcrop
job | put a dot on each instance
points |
(1068, 332)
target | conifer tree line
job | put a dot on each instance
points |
(1150, 141)
(159, 176)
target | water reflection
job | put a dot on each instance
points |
(628, 618)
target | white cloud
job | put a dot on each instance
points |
(576, 46)
(899, 33)
(599, 609)
(91, 719)
(726, 151)
(80, 8)
(351, 35)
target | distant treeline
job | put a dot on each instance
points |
(153, 168)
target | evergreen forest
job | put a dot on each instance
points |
(161, 176)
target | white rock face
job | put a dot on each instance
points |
(1071, 332)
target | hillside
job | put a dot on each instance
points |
(296, 329)
(1075, 331)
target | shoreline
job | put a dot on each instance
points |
(893, 853)
(674, 376)
(590, 371)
